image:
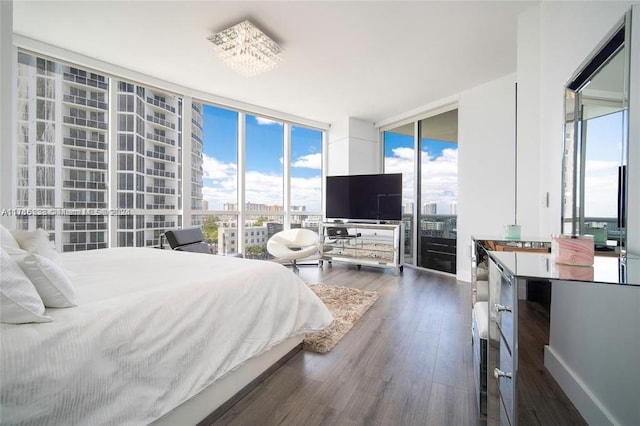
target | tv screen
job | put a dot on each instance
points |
(364, 197)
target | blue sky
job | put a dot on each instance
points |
(263, 159)
(603, 156)
(439, 169)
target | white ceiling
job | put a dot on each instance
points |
(363, 59)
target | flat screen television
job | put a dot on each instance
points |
(364, 197)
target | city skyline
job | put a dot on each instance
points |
(439, 168)
(263, 161)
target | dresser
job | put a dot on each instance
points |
(480, 247)
(593, 346)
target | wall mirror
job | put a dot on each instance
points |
(595, 162)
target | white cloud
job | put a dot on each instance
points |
(215, 169)
(439, 175)
(601, 188)
(306, 192)
(600, 165)
(310, 161)
(267, 121)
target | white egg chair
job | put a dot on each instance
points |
(293, 244)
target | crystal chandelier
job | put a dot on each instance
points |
(246, 49)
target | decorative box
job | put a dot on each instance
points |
(512, 232)
(574, 250)
(571, 272)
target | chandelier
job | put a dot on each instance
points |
(246, 49)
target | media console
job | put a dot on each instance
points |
(367, 244)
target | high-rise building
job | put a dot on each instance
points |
(62, 151)
(197, 172)
(65, 149)
(430, 208)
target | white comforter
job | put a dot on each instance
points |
(152, 328)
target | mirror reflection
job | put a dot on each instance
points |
(594, 169)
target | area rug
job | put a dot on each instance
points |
(347, 306)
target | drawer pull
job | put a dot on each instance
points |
(501, 308)
(497, 373)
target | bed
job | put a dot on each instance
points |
(156, 336)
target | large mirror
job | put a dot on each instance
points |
(596, 145)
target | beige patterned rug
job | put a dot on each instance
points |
(347, 306)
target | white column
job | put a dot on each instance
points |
(242, 139)
(286, 160)
(7, 111)
(354, 148)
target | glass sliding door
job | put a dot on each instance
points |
(399, 157)
(438, 191)
(426, 153)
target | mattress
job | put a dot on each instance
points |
(152, 328)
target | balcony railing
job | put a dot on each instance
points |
(160, 138)
(83, 205)
(160, 190)
(161, 156)
(77, 184)
(160, 224)
(85, 81)
(161, 206)
(161, 173)
(85, 143)
(84, 164)
(79, 100)
(77, 121)
(161, 122)
(162, 105)
(197, 124)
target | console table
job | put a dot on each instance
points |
(593, 349)
(370, 244)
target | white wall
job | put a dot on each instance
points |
(529, 194)
(486, 170)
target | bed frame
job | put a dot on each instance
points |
(212, 402)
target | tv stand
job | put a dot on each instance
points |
(369, 244)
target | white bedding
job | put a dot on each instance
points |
(152, 328)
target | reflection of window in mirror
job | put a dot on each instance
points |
(596, 145)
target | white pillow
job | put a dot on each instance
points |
(36, 242)
(6, 239)
(51, 283)
(19, 301)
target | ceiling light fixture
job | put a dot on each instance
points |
(246, 49)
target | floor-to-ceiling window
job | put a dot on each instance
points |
(258, 173)
(430, 196)
(99, 162)
(219, 178)
(306, 177)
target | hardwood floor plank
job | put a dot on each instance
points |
(407, 362)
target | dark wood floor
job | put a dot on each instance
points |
(408, 361)
(541, 401)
